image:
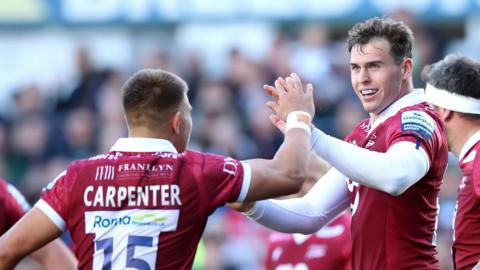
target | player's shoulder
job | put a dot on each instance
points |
(197, 157)
(418, 112)
(419, 118)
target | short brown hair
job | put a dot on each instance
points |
(150, 95)
(398, 34)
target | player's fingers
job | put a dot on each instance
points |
(280, 87)
(271, 91)
(296, 81)
(290, 85)
(283, 83)
(309, 89)
(278, 122)
(272, 105)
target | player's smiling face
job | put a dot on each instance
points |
(376, 77)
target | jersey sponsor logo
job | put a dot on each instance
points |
(150, 218)
(129, 170)
(145, 166)
(128, 239)
(136, 196)
(419, 122)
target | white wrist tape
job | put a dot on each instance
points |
(299, 119)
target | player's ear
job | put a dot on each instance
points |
(445, 114)
(406, 68)
(176, 122)
(448, 114)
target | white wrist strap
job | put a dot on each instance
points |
(299, 119)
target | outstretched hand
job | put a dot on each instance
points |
(288, 96)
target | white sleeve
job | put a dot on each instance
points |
(327, 198)
(392, 172)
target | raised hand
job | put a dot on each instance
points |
(289, 95)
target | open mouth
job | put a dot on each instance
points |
(369, 92)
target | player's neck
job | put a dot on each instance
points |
(406, 89)
(145, 132)
(461, 133)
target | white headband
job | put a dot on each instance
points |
(451, 101)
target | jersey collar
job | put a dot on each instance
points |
(415, 97)
(143, 145)
(469, 144)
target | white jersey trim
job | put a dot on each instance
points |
(247, 178)
(51, 213)
(469, 144)
(18, 197)
(415, 97)
(143, 145)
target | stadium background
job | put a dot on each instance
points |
(62, 64)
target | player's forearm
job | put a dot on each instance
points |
(293, 155)
(55, 256)
(8, 257)
(317, 167)
(286, 216)
(405, 165)
(327, 198)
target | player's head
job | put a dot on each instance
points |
(380, 61)
(155, 103)
(453, 85)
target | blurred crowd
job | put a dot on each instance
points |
(43, 132)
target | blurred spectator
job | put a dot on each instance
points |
(29, 144)
(86, 88)
(78, 140)
(429, 44)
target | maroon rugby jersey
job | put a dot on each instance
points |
(142, 205)
(398, 232)
(329, 248)
(466, 244)
(12, 206)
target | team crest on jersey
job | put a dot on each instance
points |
(418, 122)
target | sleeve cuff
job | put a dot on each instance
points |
(315, 137)
(51, 213)
(256, 212)
(247, 177)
